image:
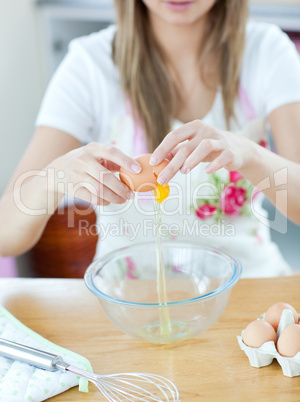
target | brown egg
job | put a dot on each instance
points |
(145, 180)
(273, 314)
(257, 333)
(288, 344)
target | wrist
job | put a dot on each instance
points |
(32, 194)
(252, 158)
(258, 164)
(56, 179)
(51, 185)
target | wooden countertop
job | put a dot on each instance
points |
(210, 367)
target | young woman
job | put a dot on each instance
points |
(190, 81)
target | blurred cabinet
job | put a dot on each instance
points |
(286, 14)
(60, 21)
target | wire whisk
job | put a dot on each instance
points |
(122, 387)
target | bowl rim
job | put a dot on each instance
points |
(98, 264)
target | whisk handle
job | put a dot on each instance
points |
(26, 354)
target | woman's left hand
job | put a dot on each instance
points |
(197, 142)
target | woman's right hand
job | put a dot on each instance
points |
(56, 164)
(87, 173)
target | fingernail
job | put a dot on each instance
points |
(162, 179)
(136, 168)
(184, 169)
(130, 195)
(209, 169)
(153, 160)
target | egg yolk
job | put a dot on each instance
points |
(161, 191)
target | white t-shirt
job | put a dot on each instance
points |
(85, 100)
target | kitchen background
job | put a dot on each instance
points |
(34, 36)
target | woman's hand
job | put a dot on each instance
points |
(87, 173)
(197, 142)
(54, 164)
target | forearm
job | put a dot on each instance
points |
(276, 177)
(24, 212)
(33, 197)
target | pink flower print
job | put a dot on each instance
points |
(232, 199)
(177, 268)
(113, 142)
(235, 176)
(259, 238)
(263, 143)
(255, 193)
(205, 211)
(130, 274)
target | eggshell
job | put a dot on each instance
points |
(273, 314)
(288, 344)
(145, 180)
(257, 333)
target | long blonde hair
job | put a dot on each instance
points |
(142, 65)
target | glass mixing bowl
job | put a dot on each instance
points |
(198, 283)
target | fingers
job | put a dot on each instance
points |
(100, 181)
(201, 152)
(111, 166)
(173, 139)
(94, 192)
(113, 154)
(191, 154)
(91, 190)
(103, 175)
(101, 191)
(223, 160)
(85, 175)
(201, 144)
(85, 195)
(182, 153)
(171, 154)
(188, 156)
